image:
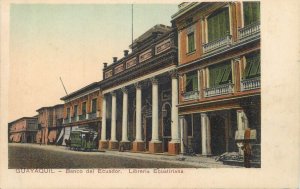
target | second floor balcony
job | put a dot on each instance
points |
(191, 95)
(249, 31)
(219, 90)
(218, 44)
(82, 117)
(250, 84)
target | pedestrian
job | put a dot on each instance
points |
(40, 141)
(247, 154)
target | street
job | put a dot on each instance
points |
(36, 156)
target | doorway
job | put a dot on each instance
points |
(218, 139)
(166, 114)
(148, 132)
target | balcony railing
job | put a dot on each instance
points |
(67, 120)
(219, 90)
(92, 115)
(82, 117)
(217, 44)
(250, 84)
(191, 95)
(249, 31)
(75, 118)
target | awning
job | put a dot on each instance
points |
(38, 136)
(52, 136)
(17, 137)
(66, 135)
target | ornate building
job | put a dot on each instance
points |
(49, 123)
(219, 68)
(140, 95)
(23, 130)
(82, 110)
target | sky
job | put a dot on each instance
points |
(71, 42)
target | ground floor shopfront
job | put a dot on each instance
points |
(23, 137)
(63, 133)
(210, 129)
(142, 115)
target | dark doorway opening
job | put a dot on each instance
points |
(218, 142)
(166, 114)
(148, 132)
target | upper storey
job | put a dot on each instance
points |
(155, 49)
(210, 28)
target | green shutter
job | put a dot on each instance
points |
(191, 42)
(218, 25)
(227, 73)
(253, 66)
(251, 12)
(195, 82)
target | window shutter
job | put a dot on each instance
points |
(195, 83)
(227, 73)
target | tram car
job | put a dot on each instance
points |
(83, 140)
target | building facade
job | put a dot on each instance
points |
(219, 74)
(82, 110)
(23, 130)
(49, 123)
(140, 96)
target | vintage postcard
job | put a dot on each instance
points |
(99, 94)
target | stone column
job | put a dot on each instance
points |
(174, 144)
(125, 143)
(113, 143)
(138, 144)
(103, 142)
(155, 146)
(206, 135)
(242, 124)
(181, 122)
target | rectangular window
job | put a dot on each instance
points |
(83, 108)
(220, 74)
(191, 42)
(191, 83)
(218, 25)
(251, 12)
(68, 112)
(94, 105)
(252, 66)
(75, 110)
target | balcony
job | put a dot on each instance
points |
(249, 31)
(250, 84)
(219, 90)
(191, 95)
(67, 120)
(75, 118)
(92, 115)
(218, 44)
(82, 117)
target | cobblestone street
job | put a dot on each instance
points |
(36, 156)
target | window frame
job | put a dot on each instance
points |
(205, 29)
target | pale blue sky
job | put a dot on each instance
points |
(71, 41)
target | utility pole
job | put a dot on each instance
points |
(63, 85)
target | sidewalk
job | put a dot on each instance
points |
(195, 161)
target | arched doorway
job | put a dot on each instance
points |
(166, 123)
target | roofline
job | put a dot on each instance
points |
(81, 90)
(22, 119)
(45, 107)
(184, 10)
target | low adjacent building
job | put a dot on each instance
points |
(49, 123)
(82, 110)
(23, 130)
